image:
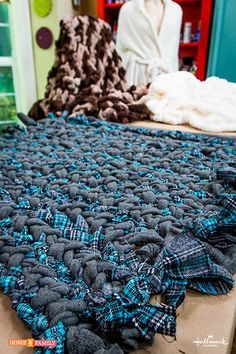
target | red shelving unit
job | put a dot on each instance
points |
(116, 6)
(187, 45)
(193, 11)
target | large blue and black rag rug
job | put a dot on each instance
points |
(97, 217)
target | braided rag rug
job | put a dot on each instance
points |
(96, 217)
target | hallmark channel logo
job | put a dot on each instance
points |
(209, 341)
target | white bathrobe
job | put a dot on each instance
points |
(145, 52)
(180, 98)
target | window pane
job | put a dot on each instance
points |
(5, 42)
(7, 108)
(7, 96)
(6, 80)
(3, 13)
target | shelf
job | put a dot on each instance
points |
(193, 11)
(118, 6)
(188, 2)
(113, 6)
(189, 45)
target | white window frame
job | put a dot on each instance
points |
(6, 62)
(22, 55)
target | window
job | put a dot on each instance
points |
(7, 91)
(17, 73)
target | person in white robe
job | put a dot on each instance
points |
(148, 38)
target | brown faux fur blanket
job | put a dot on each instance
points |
(88, 77)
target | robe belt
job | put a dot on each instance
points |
(155, 66)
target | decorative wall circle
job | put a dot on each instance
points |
(42, 7)
(44, 38)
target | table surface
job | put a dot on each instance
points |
(199, 316)
(183, 128)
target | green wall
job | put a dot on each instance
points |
(44, 59)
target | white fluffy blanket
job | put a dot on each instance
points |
(180, 98)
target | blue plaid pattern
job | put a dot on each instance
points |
(183, 262)
(216, 282)
(148, 319)
(209, 224)
(227, 215)
(57, 333)
(38, 322)
(72, 231)
(7, 282)
(153, 319)
(227, 174)
(138, 290)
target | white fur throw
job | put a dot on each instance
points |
(180, 98)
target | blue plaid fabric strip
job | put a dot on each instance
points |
(41, 330)
(22, 237)
(227, 174)
(38, 322)
(112, 314)
(7, 282)
(216, 282)
(138, 290)
(183, 262)
(175, 291)
(57, 333)
(219, 227)
(77, 230)
(148, 319)
(72, 231)
(110, 253)
(5, 196)
(151, 319)
(227, 215)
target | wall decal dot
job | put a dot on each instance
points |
(44, 38)
(42, 7)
